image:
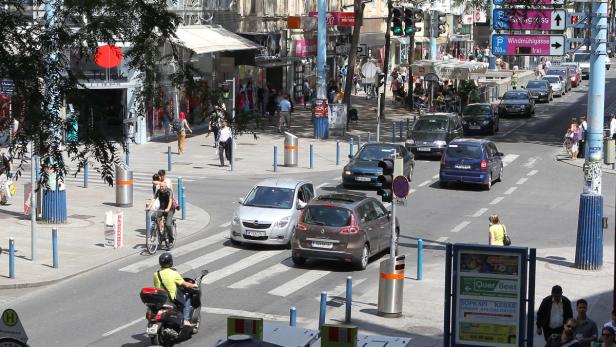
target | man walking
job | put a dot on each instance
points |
(285, 112)
(586, 330)
(553, 312)
(224, 143)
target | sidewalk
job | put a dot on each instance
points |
(560, 156)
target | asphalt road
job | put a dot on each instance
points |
(538, 201)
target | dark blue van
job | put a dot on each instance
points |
(471, 161)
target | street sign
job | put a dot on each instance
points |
(534, 45)
(521, 19)
(401, 187)
(532, 2)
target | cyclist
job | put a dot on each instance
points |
(168, 279)
(164, 196)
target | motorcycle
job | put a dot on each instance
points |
(165, 320)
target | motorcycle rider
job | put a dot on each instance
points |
(168, 279)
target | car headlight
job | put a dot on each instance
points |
(440, 143)
(485, 122)
(410, 142)
(283, 222)
(236, 220)
(347, 171)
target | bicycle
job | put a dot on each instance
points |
(157, 235)
(567, 145)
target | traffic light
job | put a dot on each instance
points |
(386, 180)
(441, 22)
(396, 21)
(412, 16)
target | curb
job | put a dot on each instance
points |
(94, 267)
(575, 164)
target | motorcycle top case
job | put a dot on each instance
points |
(153, 296)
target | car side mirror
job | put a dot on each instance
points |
(241, 201)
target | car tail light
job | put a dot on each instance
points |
(160, 313)
(353, 228)
(301, 226)
(148, 315)
(484, 165)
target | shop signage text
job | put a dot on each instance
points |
(345, 19)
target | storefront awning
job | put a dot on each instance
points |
(450, 69)
(209, 38)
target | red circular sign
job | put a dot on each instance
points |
(108, 56)
(401, 187)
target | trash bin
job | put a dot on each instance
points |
(391, 286)
(608, 151)
(290, 149)
(124, 186)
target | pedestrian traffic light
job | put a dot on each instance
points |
(396, 21)
(386, 180)
(441, 22)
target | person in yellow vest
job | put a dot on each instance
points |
(496, 231)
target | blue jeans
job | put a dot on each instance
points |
(187, 306)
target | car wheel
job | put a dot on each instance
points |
(235, 242)
(362, 262)
(299, 261)
(500, 175)
(488, 185)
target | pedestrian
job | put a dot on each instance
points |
(575, 139)
(607, 338)
(565, 338)
(306, 91)
(553, 312)
(224, 143)
(583, 133)
(162, 177)
(284, 108)
(272, 104)
(586, 330)
(215, 123)
(514, 79)
(182, 127)
(611, 323)
(613, 126)
(496, 231)
(155, 183)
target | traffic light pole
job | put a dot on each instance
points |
(385, 65)
(392, 245)
(434, 31)
(411, 51)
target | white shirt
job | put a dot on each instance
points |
(225, 134)
(548, 64)
(612, 127)
(556, 314)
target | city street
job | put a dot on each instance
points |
(537, 200)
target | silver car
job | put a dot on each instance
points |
(269, 212)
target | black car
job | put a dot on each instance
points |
(363, 169)
(562, 72)
(541, 89)
(517, 102)
(480, 118)
(432, 132)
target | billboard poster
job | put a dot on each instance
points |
(489, 292)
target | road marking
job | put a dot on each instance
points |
(411, 191)
(256, 258)
(191, 247)
(460, 226)
(480, 212)
(512, 130)
(531, 162)
(424, 183)
(206, 259)
(298, 283)
(111, 332)
(510, 190)
(387, 205)
(522, 180)
(242, 313)
(337, 178)
(260, 277)
(497, 200)
(509, 158)
(435, 176)
(442, 239)
(533, 172)
(224, 225)
(321, 185)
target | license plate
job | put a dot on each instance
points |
(462, 166)
(363, 179)
(152, 329)
(423, 149)
(255, 233)
(474, 127)
(326, 245)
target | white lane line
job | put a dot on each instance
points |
(460, 226)
(531, 162)
(435, 176)
(510, 190)
(249, 314)
(191, 247)
(509, 158)
(260, 277)
(480, 212)
(239, 266)
(411, 191)
(442, 239)
(496, 200)
(206, 259)
(321, 185)
(424, 183)
(533, 172)
(224, 225)
(111, 332)
(298, 283)
(522, 180)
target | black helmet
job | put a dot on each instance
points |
(165, 260)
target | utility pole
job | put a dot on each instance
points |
(386, 62)
(348, 85)
(589, 243)
(321, 122)
(433, 31)
(411, 51)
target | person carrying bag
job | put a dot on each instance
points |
(497, 232)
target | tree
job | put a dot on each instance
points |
(359, 17)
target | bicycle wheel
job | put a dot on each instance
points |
(567, 146)
(151, 239)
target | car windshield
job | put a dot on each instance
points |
(271, 197)
(330, 216)
(472, 110)
(581, 57)
(463, 151)
(515, 96)
(536, 84)
(376, 153)
(431, 124)
(552, 79)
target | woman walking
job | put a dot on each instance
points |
(575, 138)
(496, 232)
(182, 127)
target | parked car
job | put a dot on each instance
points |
(269, 212)
(471, 161)
(557, 83)
(577, 72)
(480, 118)
(562, 72)
(344, 227)
(517, 102)
(432, 132)
(363, 169)
(540, 89)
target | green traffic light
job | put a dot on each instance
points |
(409, 31)
(397, 31)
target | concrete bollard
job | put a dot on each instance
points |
(337, 152)
(322, 308)
(169, 158)
(275, 158)
(54, 242)
(349, 299)
(312, 156)
(293, 317)
(420, 259)
(85, 174)
(11, 258)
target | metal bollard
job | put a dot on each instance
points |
(337, 152)
(293, 317)
(54, 241)
(322, 309)
(169, 158)
(85, 174)
(148, 222)
(12, 258)
(393, 132)
(181, 195)
(369, 137)
(419, 259)
(183, 203)
(311, 156)
(401, 127)
(351, 147)
(349, 299)
(275, 158)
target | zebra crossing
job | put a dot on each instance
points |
(141, 180)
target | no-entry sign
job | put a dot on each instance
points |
(539, 45)
(521, 19)
(401, 187)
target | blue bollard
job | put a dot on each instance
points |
(393, 132)
(148, 222)
(322, 308)
(311, 156)
(12, 258)
(54, 242)
(589, 243)
(293, 317)
(401, 129)
(369, 137)
(169, 158)
(419, 259)
(337, 152)
(181, 194)
(85, 174)
(349, 299)
(275, 158)
(37, 165)
(184, 203)
(351, 147)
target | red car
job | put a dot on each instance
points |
(575, 73)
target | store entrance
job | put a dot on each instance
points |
(103, 111)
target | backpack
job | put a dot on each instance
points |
(176, 125)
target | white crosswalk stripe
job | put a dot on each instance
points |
(509, 158)
(260, 277)
(206, 259)
(256, 258)
(298, 283)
